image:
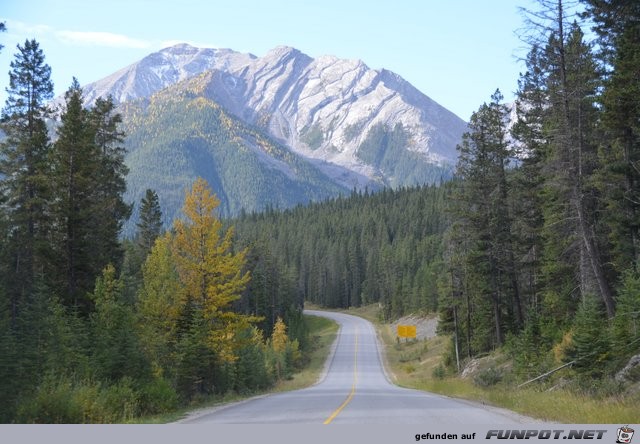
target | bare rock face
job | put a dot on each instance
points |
(162, 69)
(324, 108)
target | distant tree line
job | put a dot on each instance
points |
(383, 247)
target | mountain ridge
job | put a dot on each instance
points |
(343, 124)
(313, 105)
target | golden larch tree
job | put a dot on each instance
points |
(211, 273)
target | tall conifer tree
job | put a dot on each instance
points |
(24, 170)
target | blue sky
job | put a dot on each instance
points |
(455, 51)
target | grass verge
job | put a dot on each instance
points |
(419, 365)
(322, 333)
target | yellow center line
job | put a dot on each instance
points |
(353, 386)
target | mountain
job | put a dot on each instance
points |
(328, 108)
(162, 69)
(359, 125)
(276, 130)
(178, 134)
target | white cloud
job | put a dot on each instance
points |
(101, 39)
(18, 27)
(19, 30)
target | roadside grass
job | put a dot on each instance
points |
(419, 365)
(322, 333)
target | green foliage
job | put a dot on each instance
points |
(150, 221)
(179, 135)
(384, 247)
(590, 346)
(488, 377)
(53, 402)
(60, 400)
(157, 396)
(481, 253)
(252, 372)
(439, 372)
(625, 326)
(24, 172)
(313, 136)
(87, 178)
(386, 149)
(116, 351)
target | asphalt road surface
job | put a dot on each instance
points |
(355, 390)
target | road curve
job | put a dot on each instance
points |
(355, 390)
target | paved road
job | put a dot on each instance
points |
(355, 391)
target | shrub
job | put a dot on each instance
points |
(63, 400)
(119, 402)
(488, 377)
(158, 397)
(53, 402)
(439, 372)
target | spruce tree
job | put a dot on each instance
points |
(150, 224)
(116, 350)
(24, 171)
(88, 210)
(617, 23)
(483, 211)
(75, 165)
(109, 209)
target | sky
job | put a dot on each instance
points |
(455, 51)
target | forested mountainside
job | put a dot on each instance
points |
(273, 131)
(179, 134)
(302, 128)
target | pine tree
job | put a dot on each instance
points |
(116, 351)
(590, 347)
(109, 210)
(158, 308)
(617, 24)
(150, 224)
(566, 78)
(528, 179)
(251, 364)
(625, 326)
(483, 211)
(24, 171)
(87, 181)
(75, 165)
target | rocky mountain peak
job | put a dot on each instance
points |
(332, 111)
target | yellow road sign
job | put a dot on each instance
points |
(407, 331)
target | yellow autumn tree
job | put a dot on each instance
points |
(211, 273)
(279, 337)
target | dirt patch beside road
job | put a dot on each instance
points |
(425, 326)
